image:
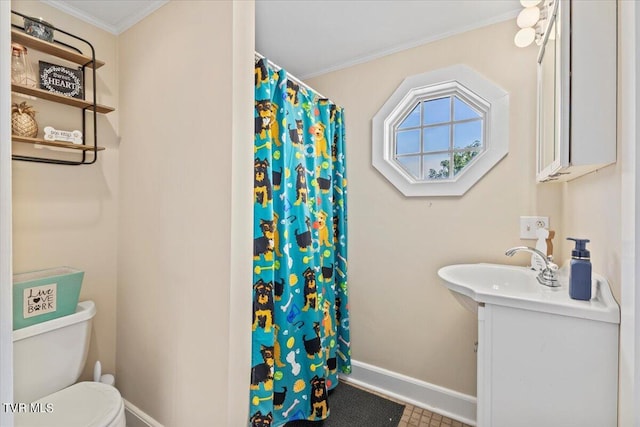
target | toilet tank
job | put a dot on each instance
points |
(50, 356)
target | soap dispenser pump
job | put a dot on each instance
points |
(580, 274)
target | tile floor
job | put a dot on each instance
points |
(418, 417)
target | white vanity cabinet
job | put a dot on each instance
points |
(577, 89)
(544, 369)
(544, 359)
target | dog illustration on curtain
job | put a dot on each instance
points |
(321, 146)
(263, 193)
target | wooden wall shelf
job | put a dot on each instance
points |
(89, 108)
(67, 100)
(53, 49)
(40, 141)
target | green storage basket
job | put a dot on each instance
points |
(43, 295)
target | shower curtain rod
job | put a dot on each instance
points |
(258, 56)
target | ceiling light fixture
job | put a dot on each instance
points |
(524, 37)
(528, 17)
(532, 22)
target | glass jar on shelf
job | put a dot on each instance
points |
(21, 70)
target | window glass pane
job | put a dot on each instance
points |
(411, 164)
(408, 141)
(467, 134)
(437, 111)
(436, 138)
(463, 111)
(436, 166)
(412, 120)
(462, 159)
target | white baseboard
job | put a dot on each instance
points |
(452, 404)
(458, 406)
(136, 417)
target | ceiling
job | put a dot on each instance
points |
(312, 37)
(114, 16)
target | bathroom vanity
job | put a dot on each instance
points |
(543, 358)
(542, 369)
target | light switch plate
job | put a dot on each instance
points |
(529, 225)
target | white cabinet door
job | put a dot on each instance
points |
(539, 369)
(577, 92)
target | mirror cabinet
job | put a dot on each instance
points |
(577, 89)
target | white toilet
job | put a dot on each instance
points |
(48, 360)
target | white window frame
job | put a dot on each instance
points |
(490, 100)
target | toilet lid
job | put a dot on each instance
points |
(85, 404)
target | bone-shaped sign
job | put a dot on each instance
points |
(73, 136)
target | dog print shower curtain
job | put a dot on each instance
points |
(300, 304)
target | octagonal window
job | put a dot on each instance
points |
(440, 132)
(439, 138)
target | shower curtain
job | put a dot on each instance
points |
(300, 301)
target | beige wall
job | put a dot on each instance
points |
(180, 129)
(591, 210)
(402, 318)
(67, 215)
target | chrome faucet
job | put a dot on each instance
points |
(547, 275)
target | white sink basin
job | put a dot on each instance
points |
(517, 287)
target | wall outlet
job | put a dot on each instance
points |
(529, 226)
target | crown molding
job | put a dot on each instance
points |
(114, 28)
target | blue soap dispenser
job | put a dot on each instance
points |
(580, 274)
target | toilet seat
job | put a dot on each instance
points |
(85, 404)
